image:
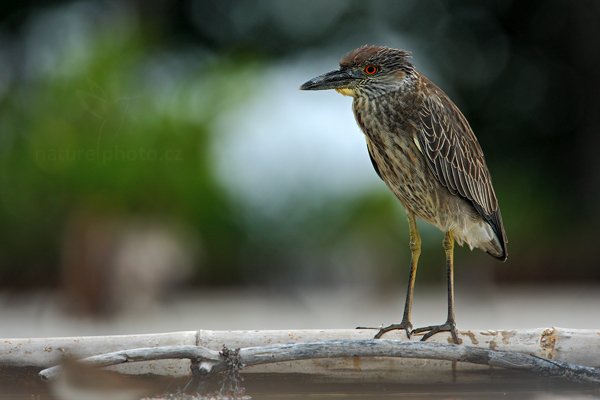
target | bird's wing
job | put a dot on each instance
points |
(373, 161)
(455, 157)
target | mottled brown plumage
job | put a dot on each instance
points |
(423, 148)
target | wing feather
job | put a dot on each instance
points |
(375, 166)
(455, 157)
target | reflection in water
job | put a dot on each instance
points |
(500, 384)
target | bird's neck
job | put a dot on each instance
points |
(388, 87)
(387, 111)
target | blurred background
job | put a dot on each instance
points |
(155, 149)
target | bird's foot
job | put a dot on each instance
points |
(448, 326)
(404, 325)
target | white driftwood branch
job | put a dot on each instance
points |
(211, 361)
(577, 346)
(207, 358)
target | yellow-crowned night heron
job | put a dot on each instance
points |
(423, 148)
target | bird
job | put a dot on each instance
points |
(423, 148)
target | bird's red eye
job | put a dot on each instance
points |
(370, 69)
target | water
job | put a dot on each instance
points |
(501, 384)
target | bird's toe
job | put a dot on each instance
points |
(429, 331)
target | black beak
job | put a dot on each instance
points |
(331, 80)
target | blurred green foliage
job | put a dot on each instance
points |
(124, 126)
(95, 138)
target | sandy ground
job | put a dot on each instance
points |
(43, 314)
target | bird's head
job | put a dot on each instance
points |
(368, 69)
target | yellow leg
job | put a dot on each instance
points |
(450, 324)
(415, 252)
(449, 250)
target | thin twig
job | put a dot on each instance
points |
(210, 361)
(204, 357)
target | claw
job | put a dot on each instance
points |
(404, 325)
(448, 326)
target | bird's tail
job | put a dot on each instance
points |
(497, 246)
(495, 249)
